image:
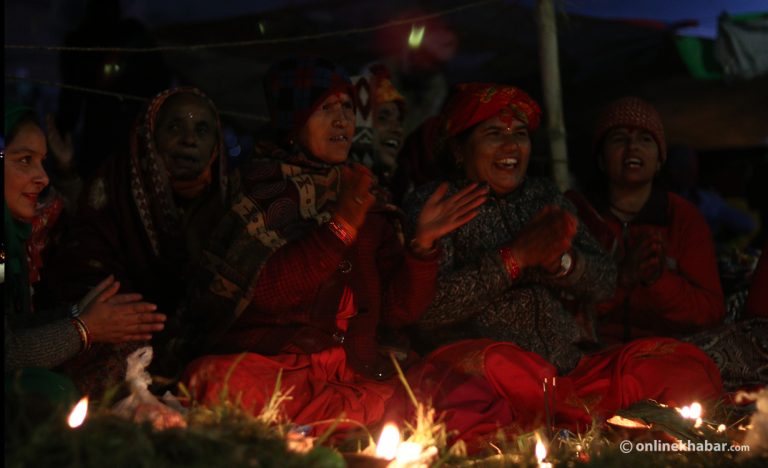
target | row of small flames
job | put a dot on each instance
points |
(402, 453)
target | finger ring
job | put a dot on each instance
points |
(359, 200)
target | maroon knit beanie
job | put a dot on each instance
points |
(631, 112)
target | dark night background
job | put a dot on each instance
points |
(608, 48)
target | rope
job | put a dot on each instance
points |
(121, 96)
(308, 37)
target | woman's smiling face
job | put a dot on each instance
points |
(25, 176)
(497, 152)
(630, 156)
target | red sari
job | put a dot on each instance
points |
(323, 386)
(482, 386)
(309, 304)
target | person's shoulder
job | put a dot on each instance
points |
(683, 210)
(677, 202)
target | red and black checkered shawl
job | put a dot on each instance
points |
(285, 196)
(150, 183)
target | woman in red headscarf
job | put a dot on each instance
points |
(309, 263)
(499, 317)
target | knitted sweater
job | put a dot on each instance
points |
(476, 298)
(40, 339)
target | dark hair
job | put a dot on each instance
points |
(446, 160)
(27, 117)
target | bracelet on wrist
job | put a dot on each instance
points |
(82, 330)
(421, 251)
(510, 263)
(342, 230)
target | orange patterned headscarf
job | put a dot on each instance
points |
(384, 90)
(473, 103)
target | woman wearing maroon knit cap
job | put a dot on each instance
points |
(668, 278)
(309, 262)
(668, 281)
(499, 314)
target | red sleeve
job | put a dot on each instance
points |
(296, 270)
(757, 301)
(690, 294)
(410, 281)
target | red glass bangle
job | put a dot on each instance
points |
(512, 266)
(343, 231)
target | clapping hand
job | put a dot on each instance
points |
(355, 198)
(545, 238)
(441, 215)
(643, 262)
(118, 318)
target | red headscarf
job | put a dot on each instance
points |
(476, 102)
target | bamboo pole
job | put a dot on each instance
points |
(553, 98)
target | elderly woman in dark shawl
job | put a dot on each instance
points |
(499, 316)
(144, 218)
(310, 262)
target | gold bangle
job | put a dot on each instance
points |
(343, 231)
(82, 330)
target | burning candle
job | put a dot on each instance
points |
(77, 416)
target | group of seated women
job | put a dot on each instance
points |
(481, 284)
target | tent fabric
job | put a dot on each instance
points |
(741, 46)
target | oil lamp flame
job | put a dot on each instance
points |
(691, 412)
(388, 442)
(541, 452)
(721, 428)
(77, 416)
